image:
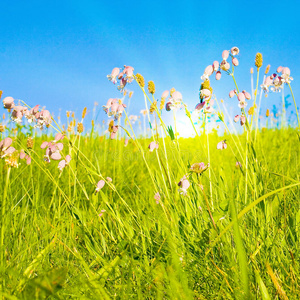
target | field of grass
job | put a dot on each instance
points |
(129, 222)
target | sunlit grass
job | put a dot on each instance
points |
(164, 217)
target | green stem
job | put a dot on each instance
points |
(2, 248)
(295, 105)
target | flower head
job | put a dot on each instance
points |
(199, 168)
(222, 145)
(152, 146)
(113, 76)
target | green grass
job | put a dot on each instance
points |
(236, 239)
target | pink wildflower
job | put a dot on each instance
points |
(184, 184)
(152, 146)
(237, 118)
(207, 72)
(243, 120)
(225, 54)
(157, 197)
(235, 61)
(199, 167)
(234, 50)
(225, 66)
(222, 145)
(232, 93)
(165, 94)
(8, 102)
(113, 76)
(100, 185)
(5, 147)
(247, 95)
(215, 65)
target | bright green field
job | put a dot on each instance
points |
(57, 245)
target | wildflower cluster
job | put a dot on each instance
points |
(174, 101)
(114, 107)
(53, 150)
(41, 118)
(124, 76)
(205, 96)
(276, 81)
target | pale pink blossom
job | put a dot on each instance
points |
(207, 72)
(222, 145)
(205, 94)
(225, 54)
(65, 162)
(175, 101)
(247, 95)
(122, 85)
(114, 131)
(236, 118)
(157, 197)
(153, 145)
(242, 104)
(232, 93)
(184, 184)
(225, 66)
(102, 212)
(218, 75)
(108, 105)
(108, 179)
(285, 77)
(129, 73)
(199, 168)
(18, 113)
(52, 150)
(243, 120)
(267, 83)
(100, 185)
(113, 76)
(279, 69)
(59, 136)
(165, 94)
(215, 65)
(241, 97)
(26, 156)
(8, 102)
(126, 142)
(5, 147)
(43, 118)
(235, 61)
(31, 114)
(277, 84)
(235, 50)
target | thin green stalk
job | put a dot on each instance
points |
(3, 219)
(294, 104)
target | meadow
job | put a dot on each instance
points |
(126, 215)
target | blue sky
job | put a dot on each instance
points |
(58, 53)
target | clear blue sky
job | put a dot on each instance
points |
(58, 53)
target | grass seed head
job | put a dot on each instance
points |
(79, 127)
(151, 87)
(84, 113)
(29, 143)
(140, 80)
(258, 60)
